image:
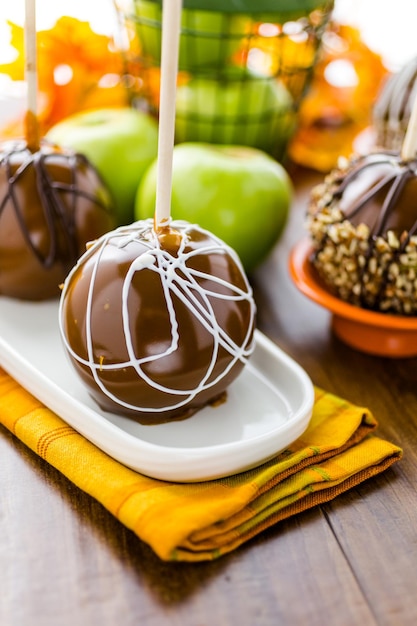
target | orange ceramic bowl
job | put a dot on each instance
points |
(376, 333)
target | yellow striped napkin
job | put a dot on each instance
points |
(194, 522)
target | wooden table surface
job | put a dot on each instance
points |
(65, 561)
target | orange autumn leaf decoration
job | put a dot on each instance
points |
(338, 106)
(16, 68)
(78, 69)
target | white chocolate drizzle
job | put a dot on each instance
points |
(178, 279)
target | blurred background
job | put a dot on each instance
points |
(81, 66)
(388, 29)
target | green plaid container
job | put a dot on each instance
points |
(244, 66)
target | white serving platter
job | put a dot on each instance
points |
(268, 406)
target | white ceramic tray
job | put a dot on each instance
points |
(268, 406)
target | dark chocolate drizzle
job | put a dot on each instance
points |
(60, 222)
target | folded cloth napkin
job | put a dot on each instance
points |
(201, 521)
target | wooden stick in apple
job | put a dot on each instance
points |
(171, 21)
(31, 118)
(409, 145)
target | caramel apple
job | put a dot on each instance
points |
(363, 225)
(52, 202)
(157, 323)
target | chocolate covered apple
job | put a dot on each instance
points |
(158, 317)
(52, 202)
(157, 323)
(363, 225)
(392, 110)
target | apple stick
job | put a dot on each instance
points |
(171, 22)
(409, 145)
(31, 119)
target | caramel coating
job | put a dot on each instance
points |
(157, 326)
(52, 202)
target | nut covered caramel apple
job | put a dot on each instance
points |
(363, 225)
(52, 202)
(157, 324)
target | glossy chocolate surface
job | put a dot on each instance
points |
(157, 327)
(380, 190)
(52, 202)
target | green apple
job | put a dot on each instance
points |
(208, 38)
(240, 194)
(120, 142)
(246, 110)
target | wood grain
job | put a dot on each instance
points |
(65, 560)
